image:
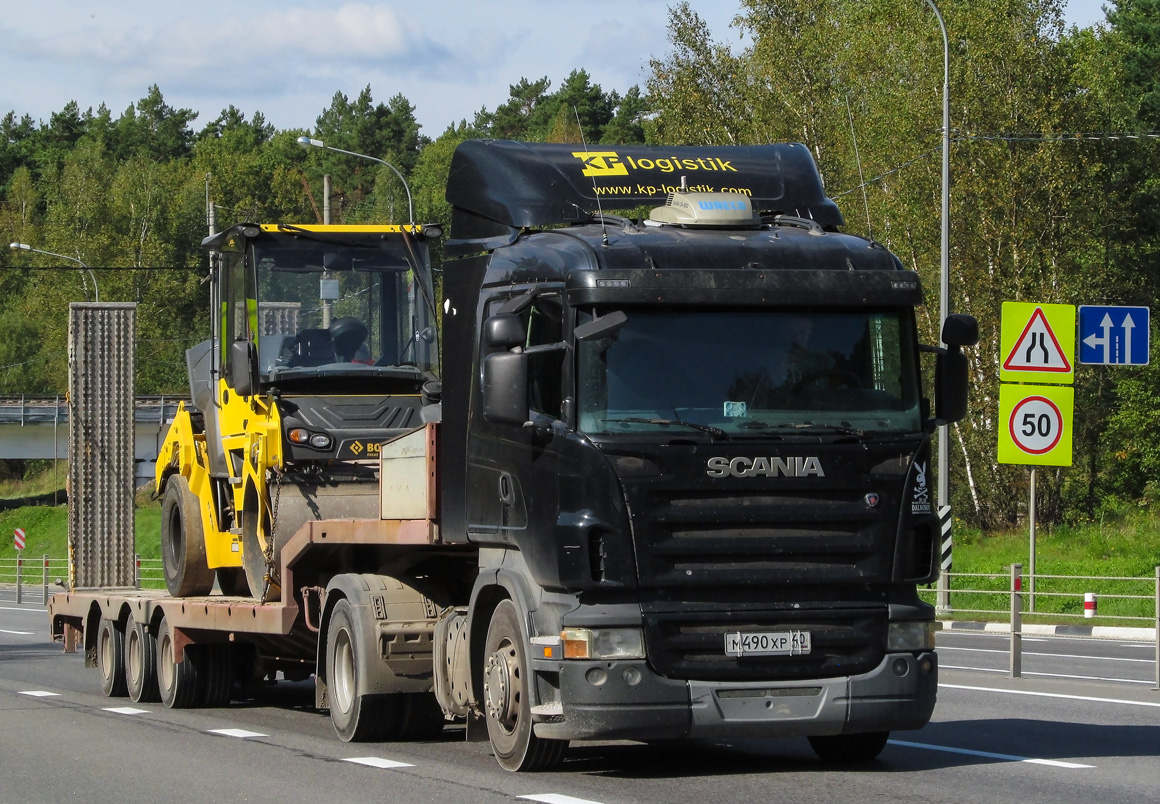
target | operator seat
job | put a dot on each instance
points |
(347, 334)
(311, 347)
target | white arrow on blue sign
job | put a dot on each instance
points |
(1113, 336)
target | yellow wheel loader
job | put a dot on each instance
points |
(324, 345)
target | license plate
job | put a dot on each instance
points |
(768, 643)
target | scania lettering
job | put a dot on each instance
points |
(676, 466)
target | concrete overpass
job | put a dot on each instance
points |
(37, 428)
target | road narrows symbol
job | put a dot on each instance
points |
(1037, 348)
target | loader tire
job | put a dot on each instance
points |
(183, 542)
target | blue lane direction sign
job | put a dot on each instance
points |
(1113, 336)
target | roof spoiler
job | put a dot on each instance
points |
(498, 187)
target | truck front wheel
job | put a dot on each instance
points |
(357, 715)
(850, 747)
(507, 681)
(183, 541)
(111, 658)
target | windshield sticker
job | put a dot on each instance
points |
(736, 410)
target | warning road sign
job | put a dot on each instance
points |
(1036, 424)
(19, 540)
(1038, 343)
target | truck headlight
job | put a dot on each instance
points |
(912, 636)
(603, 643)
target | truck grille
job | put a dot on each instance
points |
(692, 645)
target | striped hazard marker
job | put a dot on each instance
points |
(19, 538)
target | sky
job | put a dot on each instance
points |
(286, 59)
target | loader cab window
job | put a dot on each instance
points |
(349, 305)
(238, 303)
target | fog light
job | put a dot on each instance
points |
(320, 441)
(900, 667)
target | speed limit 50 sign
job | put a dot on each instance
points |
(1035, 424)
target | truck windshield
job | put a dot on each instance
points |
(745, 372)
(342, 305)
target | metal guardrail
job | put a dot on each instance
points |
(33, 580)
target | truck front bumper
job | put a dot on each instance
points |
(626, 700)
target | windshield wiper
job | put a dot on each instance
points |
(716, 432)
(824, 428)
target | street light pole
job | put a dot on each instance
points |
(310, 142)
(26, 247)
(943, 499)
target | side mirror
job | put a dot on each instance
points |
(244, 368)
(960, 330)
(505, 388)
(504, 331)
(950, 386)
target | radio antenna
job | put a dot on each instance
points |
(599, 211)
(858, 159)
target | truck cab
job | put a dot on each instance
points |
(692, 448)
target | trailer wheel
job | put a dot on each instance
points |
(850, 747)
(177, 681)
(140, 663)
(111, 658)
(183, 541)
(357, 715)
(507, 699)
(216, 667)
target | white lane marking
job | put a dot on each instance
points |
(377, 762)
(40, 693)
(1144, 645)
(1055, 763)
(39, 611)
(236, 733)
(21, 633)
(1050, 695)
(1053, 655)
(556, 798)
(126, 710)
(1046, 675)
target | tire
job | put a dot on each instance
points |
(232, 582)
(862, 747)
(216, 669)
(178, 682)
(357, 716)
(111, 658)
(507, 698)
(183, 541)
(140, 663)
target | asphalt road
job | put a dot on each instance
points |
(1082, 726)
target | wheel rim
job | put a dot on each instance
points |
(107, 661)
(133, 657)
(342, 683)
(168, 667)
(503, 686)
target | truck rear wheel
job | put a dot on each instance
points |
(183, 541)
(216, 667)
(357, 716)
(850, 747)
(507, 698)
(140, 663)
(177, 681)
(111, 658)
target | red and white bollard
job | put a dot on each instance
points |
(1089, 605)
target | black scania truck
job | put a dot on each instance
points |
(675, 483)
(692, 448)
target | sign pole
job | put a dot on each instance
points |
(1031, 513)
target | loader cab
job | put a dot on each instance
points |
(348, 309)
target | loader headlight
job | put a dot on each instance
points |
(911, 636)
(300, 435)
(603, 643)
